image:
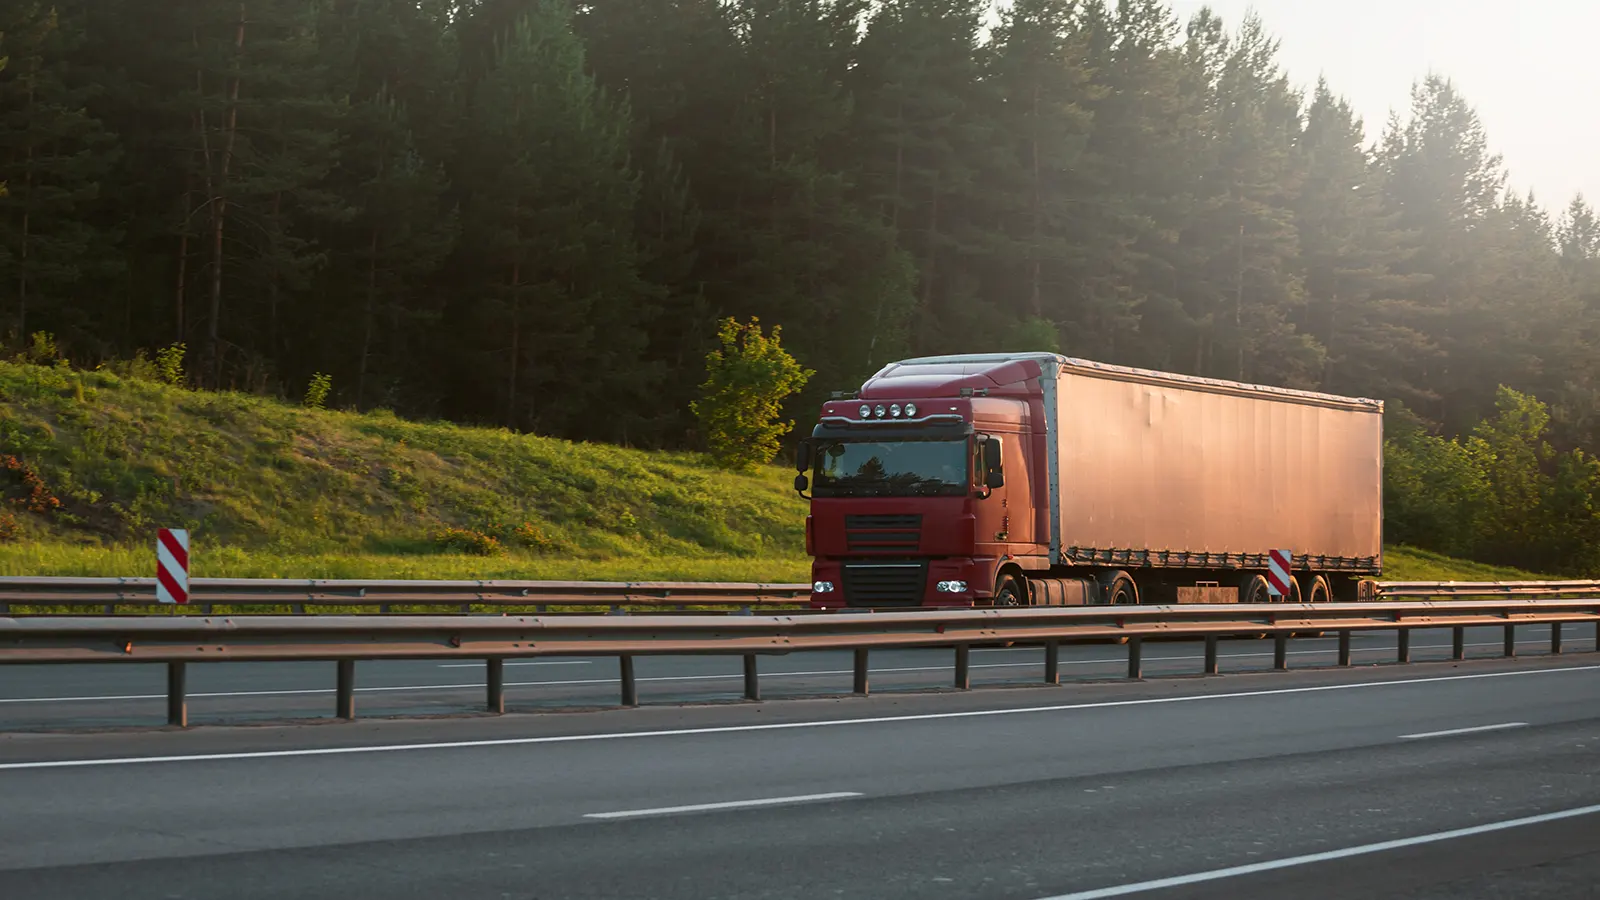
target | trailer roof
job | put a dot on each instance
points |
(981, 362)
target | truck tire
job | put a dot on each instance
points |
(1010, 591)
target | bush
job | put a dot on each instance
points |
(317, 390)
(169, 364)
(747, 379)
(1501, 495)
(467, 541)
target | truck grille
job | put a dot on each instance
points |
(883, 534)
(885, 584)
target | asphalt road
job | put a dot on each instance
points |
(133, 695)
(1254, 785)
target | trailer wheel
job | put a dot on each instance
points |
(1120, 589)
(1316, 590)
(1320, 592)
(1255, 590)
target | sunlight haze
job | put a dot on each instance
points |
(1528, 69)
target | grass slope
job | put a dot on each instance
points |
(273, 490)
(1411, 564)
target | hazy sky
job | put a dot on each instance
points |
(1531, 68)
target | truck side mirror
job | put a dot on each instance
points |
(802, 457)
(994, 475)
(801, 484)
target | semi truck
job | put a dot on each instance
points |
(1038, 479)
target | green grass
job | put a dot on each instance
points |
(1410, 564)
(274, 490)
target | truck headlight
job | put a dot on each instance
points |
(951, 587)
(911, 410)
(822, 587)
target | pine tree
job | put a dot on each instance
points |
(387, 58)
(549, 222)
(1444, 184)
(53, 157)
(925, 132)
(1349, 248)
(1038, 64)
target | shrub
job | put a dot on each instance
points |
(747, 379)
(317, 390)
(39, 498)
(42, 349)
(10, 530)
(169, 364)
(465, 540)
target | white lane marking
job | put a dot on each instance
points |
(1455, 731)
(778, 726)
(1123, 890)
(730, 804)
(581, 682)
(541, 662)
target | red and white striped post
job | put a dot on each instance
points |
(172, 565)
(1278, 577)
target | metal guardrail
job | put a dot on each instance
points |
(1409, 589)
(304, 596)
(177, 641)
(309, 596)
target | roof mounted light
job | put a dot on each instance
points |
(894, 411)
(879, 412)
(911, 410)
(866, 411)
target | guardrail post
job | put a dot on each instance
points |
(1136, 657)
(1211, 654)
(1555, 638)
(860, 686)
(1052, 662)
(177, 695)
(963, 668)
(630, 684)
(1280, 651)
(752, 678)
(1404, 654)
(345, 702)
(495, 670)
(1458, 643)
(1344, 648)
(1511, 641)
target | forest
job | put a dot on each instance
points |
(534, 213)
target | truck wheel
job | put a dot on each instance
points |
(1010, 592)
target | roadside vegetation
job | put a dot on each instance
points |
(91, 463)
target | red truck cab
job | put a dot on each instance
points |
(924, 483)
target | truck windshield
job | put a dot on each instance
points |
(892, 469)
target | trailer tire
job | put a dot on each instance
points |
(1314, 590)
(1254, 590)
(1119, 589)
(1321, 591)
